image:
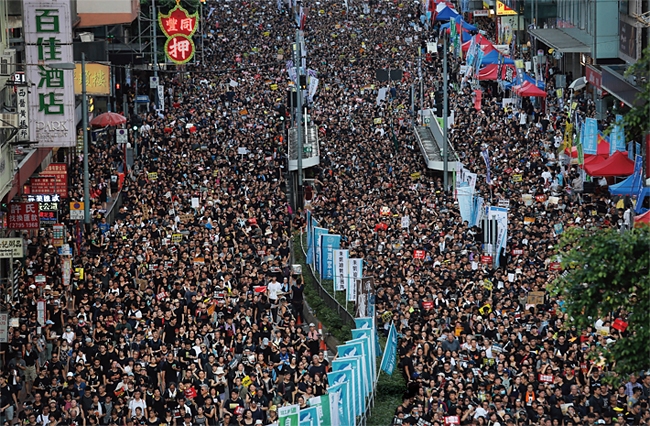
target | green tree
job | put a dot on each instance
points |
(637, 119)
(608, 272)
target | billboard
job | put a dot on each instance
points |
(48, 40)
(98, 79)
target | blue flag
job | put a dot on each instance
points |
(590, 138)
(329, 243)
(390, 351)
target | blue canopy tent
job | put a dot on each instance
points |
(466, 26)
(493, 58)
(625, 187)
(446, 14)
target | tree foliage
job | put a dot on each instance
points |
(637, 120)
(607, 272)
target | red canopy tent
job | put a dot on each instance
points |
(491, 72)
(486, 45)
(616, 165)
(529, 89)
(642, 219)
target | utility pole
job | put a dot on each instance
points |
(84, 123)
(154, 23)
(445, 111)
(421, 86)
(299, 135)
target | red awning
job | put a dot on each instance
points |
(490, 72)
(486, 45)
(616, 165)
(27, 168)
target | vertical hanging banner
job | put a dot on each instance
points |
(179, 26)
(590, 139)
(326, 416)
(340, 270)
(309, 417)
(317, 248)
(23, 113)
(161, 97)
(356, 365)
(486, 159)
(617, 137)
(360, 333)
(329, 243)
(355, 269)
(390, 351)
(48, 40)
(338, 394)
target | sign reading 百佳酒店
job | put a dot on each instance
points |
(48, 41)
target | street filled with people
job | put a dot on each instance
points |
(184, 309)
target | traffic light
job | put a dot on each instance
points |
(303, 82)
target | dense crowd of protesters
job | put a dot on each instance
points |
(184, 310)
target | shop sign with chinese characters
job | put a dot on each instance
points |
(98, 79)
(23, 216)
(60, 172)
(23, 113)
(48, 207)
(179, 26)
(48, 40)
(11, 247)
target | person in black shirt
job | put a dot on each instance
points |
(232, 404)
(297, 291)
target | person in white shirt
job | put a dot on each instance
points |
(136, 402)
(274, 289)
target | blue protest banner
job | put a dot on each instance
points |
(367, 335)
(356, 348)
(390, 351)
(310, 241)
(316, 243)
(329, 243)
(368, 323)
(617, 137)
(590, 137)
(309, 416)
(354, 364)
(339, 393)
(352, 400)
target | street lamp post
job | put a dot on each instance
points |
(84, 115)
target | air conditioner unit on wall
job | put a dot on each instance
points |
(8, 62)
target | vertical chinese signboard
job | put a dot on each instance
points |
(23, 113)
(48, 40)
(179, 26)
